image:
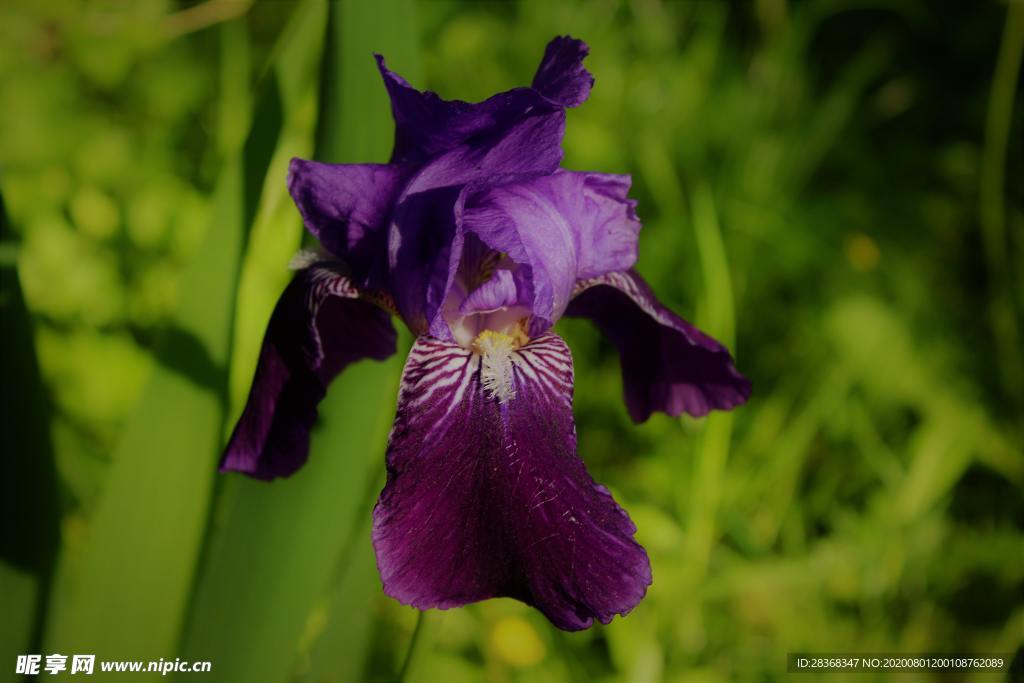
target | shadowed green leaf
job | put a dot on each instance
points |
(339, 652)
(19, 591)
(29, 533)
(127, 595)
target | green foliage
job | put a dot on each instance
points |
(829, 187)
(28, 550)
(147, 529)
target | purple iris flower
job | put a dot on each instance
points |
(480, 242)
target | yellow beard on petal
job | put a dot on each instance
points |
(495, 349)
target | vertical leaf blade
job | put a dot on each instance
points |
(29, 533)
(127, 595)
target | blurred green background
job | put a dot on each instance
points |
(832, 188)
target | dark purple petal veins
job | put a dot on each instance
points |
(319, 326)
(487, 498)
(561, 76)
(348, 207)
(668, 365)
(560, 228)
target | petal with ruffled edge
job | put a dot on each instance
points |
(319, 325)
(668, 365)
(561, 228)
(427, 125)
(426, 238)
(486, 499)
(561, 75)
(347, 207)
(518, 132)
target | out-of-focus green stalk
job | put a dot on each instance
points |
(717, 317)
(337, 652)
(127, 596)
(416, 666)
(29, 534)
(1002, 314)
(410, 651)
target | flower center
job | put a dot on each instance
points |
(488, 312)
(495, 349)
(489, 294)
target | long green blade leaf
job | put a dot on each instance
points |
(127, 596)
(28, 496)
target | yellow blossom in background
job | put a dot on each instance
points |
(516, 643)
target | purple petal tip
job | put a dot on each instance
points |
(561, 76)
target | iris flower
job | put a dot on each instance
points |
(480, 242)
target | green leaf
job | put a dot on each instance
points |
(19, 592)
(339, 652)
(28, 546)
(355, 120)
(127, 595)
(275, 549)
(710, 466)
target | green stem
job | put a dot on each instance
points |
(410, 653)
(992, 200)
(717, 314)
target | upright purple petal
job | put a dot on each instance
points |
(319, 326)
(532, 145)
(488, 499)
(425, 241)
(561, 227)
(606, 224)
(427, 125)
(668, 365)
(561, 76)
(347, 207)
(458, 144)
(501, 291)
(423, 251)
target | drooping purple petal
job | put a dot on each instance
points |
(561, 76)
(486, 499)
(561, 227)
(668, 365)
(319, 326)
(427, 125)
(347, 207)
